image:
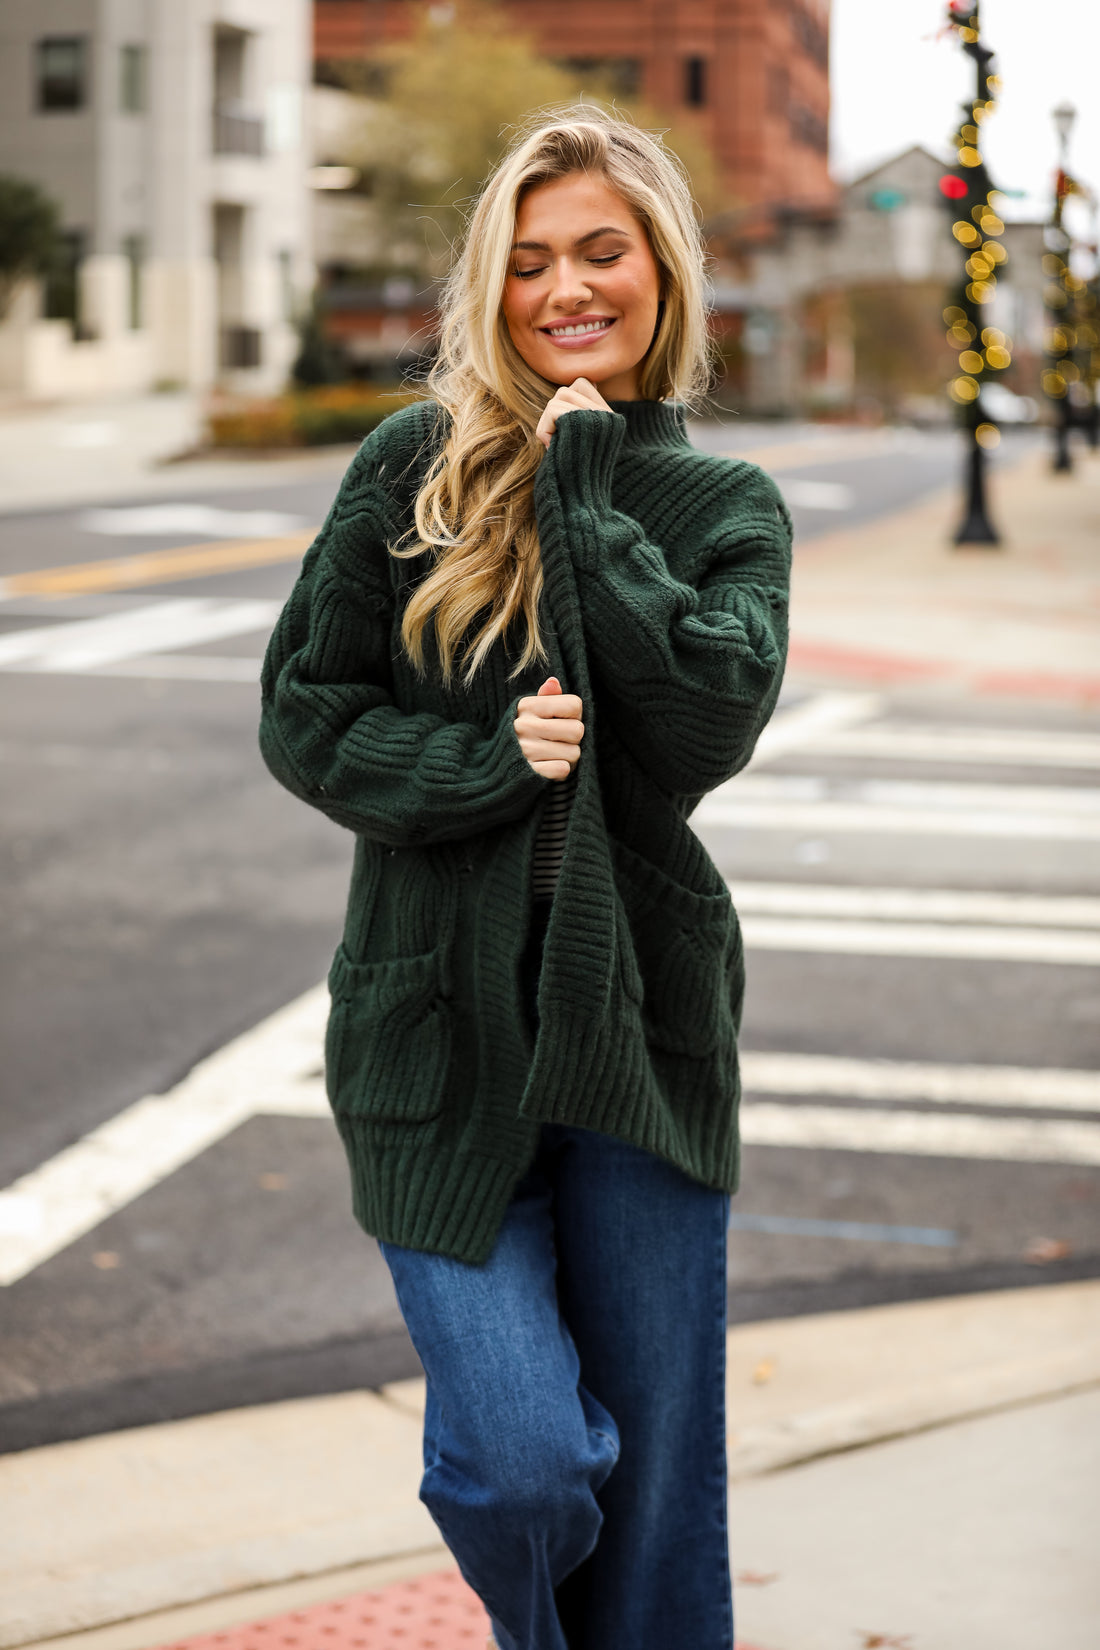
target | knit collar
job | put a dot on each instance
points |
(653, 423)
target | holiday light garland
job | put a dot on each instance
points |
(977, 227)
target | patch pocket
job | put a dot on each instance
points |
(687, 950)
(388, 1039)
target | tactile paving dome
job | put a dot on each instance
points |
(432, 1612)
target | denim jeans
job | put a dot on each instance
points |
(574, 1437)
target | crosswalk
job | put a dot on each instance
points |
(793, 1101)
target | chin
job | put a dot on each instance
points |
(596, 371)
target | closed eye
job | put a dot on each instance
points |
(607, 259)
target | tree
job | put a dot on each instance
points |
(454, 95)
(30, 237)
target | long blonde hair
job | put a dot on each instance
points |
(475, 509)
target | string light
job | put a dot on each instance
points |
(976, 226)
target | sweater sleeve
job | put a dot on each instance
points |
(691, 671)
(330, 730)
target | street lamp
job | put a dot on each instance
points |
(1064, 116)
(983, 349)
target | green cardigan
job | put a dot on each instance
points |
(666, 574)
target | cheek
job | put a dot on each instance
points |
(636, 293)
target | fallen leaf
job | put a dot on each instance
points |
(755, 1578)
(274, 1182)
(763, 1372)
(1042, 1250)
(106, 1259)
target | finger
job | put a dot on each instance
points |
(553, 770)
(550, 704)
(543, 732)
(543, 750)
(551, 685)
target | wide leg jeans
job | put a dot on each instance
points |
(574, 1437)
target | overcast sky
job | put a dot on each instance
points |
(894, 83)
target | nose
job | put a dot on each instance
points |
(569, 288)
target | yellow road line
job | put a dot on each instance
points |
(189, 561)
(798, 455)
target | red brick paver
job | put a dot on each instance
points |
(431, 1612)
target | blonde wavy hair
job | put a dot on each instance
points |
(475, 509)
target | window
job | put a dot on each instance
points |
(809, 128)
(133, 250)
(131, 80)
(621, 76)
(62, 289)
(62, 72)
(695, 82)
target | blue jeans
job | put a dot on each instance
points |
(574, 1438)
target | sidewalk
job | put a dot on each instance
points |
(926, 1472)
(894, 603)
(52, 458)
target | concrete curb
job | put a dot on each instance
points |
(169, 1515)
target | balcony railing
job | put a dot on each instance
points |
(237, 130)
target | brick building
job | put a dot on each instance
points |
(751, 75)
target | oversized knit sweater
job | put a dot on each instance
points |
(664, 609)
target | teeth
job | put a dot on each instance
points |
(574, 331)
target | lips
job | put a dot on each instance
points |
(576, 334)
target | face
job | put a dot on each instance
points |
(581, 295)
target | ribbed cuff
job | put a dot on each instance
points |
(582, 456)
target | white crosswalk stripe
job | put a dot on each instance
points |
(103, 644)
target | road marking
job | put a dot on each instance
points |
(913, 793)
(91, 644)
(806, 723)
(920, 904)
(920, 1134)
(262, 1071)
(818, 495)
(155, 520)
(814, 450)
(192, 561)
(187, 667)
(810, 803)
(1039, 1087)
(954, 743)
(275, 1070)
(899, 939)
(858, 1231)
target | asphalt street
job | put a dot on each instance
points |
(161, 896)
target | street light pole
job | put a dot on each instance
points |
(1061, 335)
(967, 190)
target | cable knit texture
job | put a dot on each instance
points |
(664, 609)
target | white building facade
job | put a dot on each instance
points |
(170, 133)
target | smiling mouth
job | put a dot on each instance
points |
(577, 329)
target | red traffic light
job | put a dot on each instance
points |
(954, 188)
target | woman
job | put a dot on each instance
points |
(536, 627)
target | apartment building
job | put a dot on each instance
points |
(751, 75)
(170, 133)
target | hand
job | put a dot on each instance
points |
(549, 730)
(570, 398)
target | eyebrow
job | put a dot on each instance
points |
(593, 234)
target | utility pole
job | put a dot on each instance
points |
(967, 192)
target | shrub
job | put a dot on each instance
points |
(316, 417)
